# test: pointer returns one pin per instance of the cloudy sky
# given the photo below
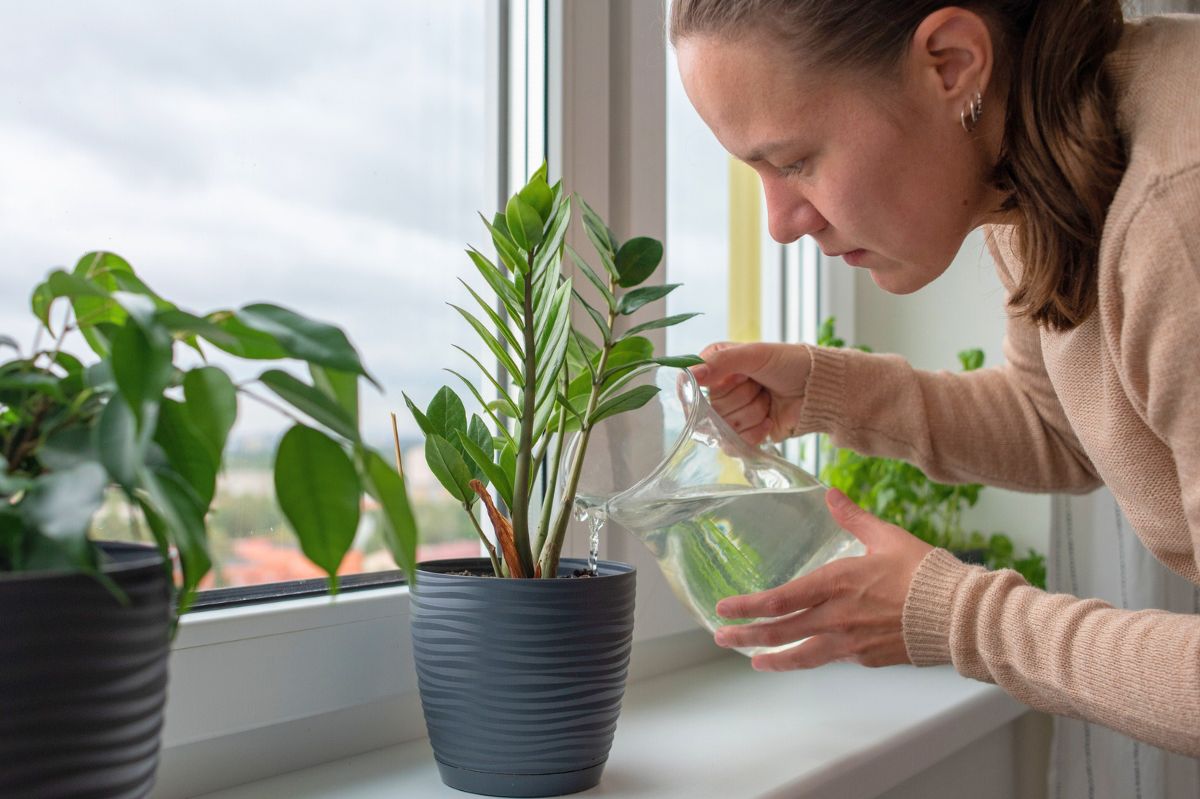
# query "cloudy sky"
(325, 156)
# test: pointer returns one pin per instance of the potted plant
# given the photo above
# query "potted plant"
(902, 494)
(521, 656)
(85, 626)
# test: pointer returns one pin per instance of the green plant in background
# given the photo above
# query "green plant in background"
(561, 379)
(135, 417)
(901, 494)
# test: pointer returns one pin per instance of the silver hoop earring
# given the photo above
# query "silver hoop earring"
(969, 116)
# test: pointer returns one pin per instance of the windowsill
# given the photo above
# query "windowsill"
(720, 728)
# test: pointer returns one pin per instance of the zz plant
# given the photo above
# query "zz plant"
(131, 414)
(559, 379)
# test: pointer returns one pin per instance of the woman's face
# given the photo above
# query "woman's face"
(858, 166)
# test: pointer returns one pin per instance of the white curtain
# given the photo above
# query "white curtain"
(1094, 552)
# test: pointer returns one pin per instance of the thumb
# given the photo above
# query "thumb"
(856, 521)
(727, 359)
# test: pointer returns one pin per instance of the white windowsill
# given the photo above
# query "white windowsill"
(722, 729)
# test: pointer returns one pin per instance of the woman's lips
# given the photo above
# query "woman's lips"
(854, 257)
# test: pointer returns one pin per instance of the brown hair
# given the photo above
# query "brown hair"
(1062, 157)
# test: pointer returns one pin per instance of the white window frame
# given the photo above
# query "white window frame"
(261, 689)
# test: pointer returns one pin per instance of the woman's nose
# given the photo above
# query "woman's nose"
(789, 214)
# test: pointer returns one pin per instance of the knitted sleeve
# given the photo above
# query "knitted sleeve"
(1001, 425)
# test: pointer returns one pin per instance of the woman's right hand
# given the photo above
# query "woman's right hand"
(757, 388)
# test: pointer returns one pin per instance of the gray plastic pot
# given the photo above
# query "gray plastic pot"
(83, 679)
(521, 680)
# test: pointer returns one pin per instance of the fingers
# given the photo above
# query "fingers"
(862, 525)
(726, 361)
(803, 592)
(873, 650)
(824, 618)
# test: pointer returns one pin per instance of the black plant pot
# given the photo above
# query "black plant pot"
(521, 680)
(83, 679)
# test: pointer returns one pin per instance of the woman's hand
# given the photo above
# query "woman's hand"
(758, 389)
(849, 609)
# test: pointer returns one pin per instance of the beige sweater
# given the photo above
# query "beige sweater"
(1114, 401)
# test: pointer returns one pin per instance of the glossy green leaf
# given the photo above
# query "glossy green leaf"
(304, 338)
(212, 405)
(633, 300)
(491, 471)
(497, 322)
(319, 492)
(61, 504)
(601, 322)
(524, 224)
(502, 396)
(446, 414)
(492, 344)
(141, 366)
(183, 324)
(118, 443)
(601, 235)
(537, 195)
(510, 254)
(399, 523)
(630, 400)
(509, 294)
(593, 278)
(677, 361)
(187, 452)
(238, 339)
(478, 432)
(637, 259)
(657, 323)
(554, 236)
(180, 519)
(311, 401)
(449, 467)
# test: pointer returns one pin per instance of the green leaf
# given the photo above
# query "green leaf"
(635, 299)
(142, 367)
(303, 338)
(183, 324)
(417, 414)
(601, 236)
(312, 401)
(497, 322)
(244, 342)
(601, 322)
(492, 344)
(677, 361)
(630, 400)
(120, 448)
(40, 301)
(508, 294)
(637, 259)
(188, 453)
(503, 399)
(212, 406)
(319, 493)
(449, 467)
(180, 521)
(446, 414)
(554, 237)
(399, 523)
(537, 195)
(60, 505)
(478, 432)
(524, 224)
(664, 322)
(581, 353)
(971, 359)
(491, 471)
(509, 253)
(483, 403)
(593, 278)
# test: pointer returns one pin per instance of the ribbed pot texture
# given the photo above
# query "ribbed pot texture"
(521, 680)
(83, 679)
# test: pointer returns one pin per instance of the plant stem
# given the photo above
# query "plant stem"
(548, 500)
(269, 404)
(520, 510)
(553, 547)
(491, 550)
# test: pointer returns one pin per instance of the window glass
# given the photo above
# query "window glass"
(329, 157)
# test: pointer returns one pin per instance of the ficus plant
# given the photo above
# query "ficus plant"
(901, 494)
(135, 413)
(560, 380)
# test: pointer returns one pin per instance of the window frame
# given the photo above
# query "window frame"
(320, 677)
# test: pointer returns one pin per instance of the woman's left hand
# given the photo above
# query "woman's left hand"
(849, 609)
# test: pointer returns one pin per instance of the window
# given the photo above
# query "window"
(326, 156)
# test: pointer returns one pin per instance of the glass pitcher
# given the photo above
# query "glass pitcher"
(722, 516)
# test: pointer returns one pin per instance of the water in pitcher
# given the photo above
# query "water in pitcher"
(715, 544)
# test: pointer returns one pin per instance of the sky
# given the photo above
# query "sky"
(329, 157)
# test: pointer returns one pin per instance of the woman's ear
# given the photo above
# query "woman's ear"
(952, 52)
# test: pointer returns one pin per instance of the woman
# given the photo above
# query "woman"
(888, 131)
